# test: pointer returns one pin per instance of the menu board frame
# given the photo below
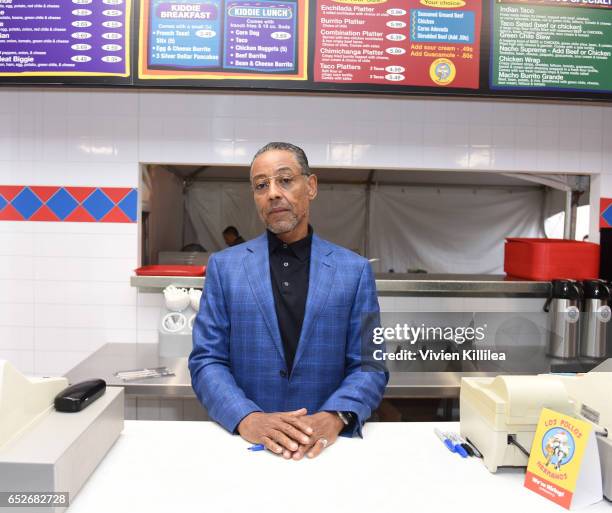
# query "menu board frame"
(223, 71)
(85, 78)
(306, 83)
(310, 86)
(546, 4)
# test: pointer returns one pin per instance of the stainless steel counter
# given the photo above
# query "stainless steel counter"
(389, 284)
(116, 357)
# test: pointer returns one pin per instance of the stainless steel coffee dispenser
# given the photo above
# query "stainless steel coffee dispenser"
(596, 316)
(563, 307)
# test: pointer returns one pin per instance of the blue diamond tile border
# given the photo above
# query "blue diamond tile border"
(26, 203)
(98, 204)
(62, 204)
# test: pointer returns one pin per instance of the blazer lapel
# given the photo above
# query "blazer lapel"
(257, 267)
(320, 282)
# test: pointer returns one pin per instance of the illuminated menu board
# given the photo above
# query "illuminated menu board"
(428, 43)
(65, 38)
(491, 48)
(223, 39)
(552, 44)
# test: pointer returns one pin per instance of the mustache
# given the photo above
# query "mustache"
(275, 206)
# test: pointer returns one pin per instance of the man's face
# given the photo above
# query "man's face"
(283, 204)
(229, 238)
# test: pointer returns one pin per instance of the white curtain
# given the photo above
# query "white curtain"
(441, 230)
(212, 206)
(449, 229)
(337, 214)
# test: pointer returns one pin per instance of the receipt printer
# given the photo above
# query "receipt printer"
(499, 415)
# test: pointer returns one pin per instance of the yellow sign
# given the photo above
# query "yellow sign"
(443, 4)
(563, 450)
(442, 71)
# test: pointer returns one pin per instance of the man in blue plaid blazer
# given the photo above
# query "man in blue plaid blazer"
(277, 357)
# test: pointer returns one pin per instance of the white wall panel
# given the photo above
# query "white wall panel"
(50, 272)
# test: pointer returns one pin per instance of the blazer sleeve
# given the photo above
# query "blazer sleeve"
(211, 378)
(363, 386)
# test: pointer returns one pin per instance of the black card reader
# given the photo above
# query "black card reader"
(80, 395)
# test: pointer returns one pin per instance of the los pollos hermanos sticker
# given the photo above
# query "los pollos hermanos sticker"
(564, 461)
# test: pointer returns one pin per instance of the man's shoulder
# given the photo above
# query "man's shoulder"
(230, 253)
(343, 256)
(237, 252)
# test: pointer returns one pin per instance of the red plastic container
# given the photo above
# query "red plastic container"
(551, 259)
(171, 270)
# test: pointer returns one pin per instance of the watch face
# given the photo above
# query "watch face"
(347, 417)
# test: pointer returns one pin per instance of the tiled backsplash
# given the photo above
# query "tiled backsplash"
(71, 204)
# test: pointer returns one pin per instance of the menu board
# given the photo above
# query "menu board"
(65, 38)
(552, 44)
(429, 43)
(500, 48)
(223, 39)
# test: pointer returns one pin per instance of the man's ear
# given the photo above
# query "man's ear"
(312, 187)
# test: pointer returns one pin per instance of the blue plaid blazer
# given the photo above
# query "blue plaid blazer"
(238, 364)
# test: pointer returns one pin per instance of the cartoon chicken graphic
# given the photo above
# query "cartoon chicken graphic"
(557, 449)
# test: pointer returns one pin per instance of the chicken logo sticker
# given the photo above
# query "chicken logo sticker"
(558, 447)
(442, 71)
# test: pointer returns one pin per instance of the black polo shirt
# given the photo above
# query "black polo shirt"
(289, 273)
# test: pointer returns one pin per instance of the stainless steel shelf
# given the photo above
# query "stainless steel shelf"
(158, 283)
(111, 358)
(391, 284)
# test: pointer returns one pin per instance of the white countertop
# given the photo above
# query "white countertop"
(158, 466)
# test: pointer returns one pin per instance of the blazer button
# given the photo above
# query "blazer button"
(283, 374)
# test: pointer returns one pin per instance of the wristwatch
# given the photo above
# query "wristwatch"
(347, 417)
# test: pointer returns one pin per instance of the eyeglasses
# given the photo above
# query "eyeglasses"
(285, 182)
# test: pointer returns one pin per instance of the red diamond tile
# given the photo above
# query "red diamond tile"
(116, 215)
(9, 213)
(44, 213)
(44, 192)
(80, 193)
(116, 194)
(80, 215)
(604, 205)
(10, 191)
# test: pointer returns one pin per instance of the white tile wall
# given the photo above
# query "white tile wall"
(64, 287)
(16, 338)
(64, 290)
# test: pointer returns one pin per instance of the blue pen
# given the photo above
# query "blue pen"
(449, 445)
(256, 447)
(457, 442)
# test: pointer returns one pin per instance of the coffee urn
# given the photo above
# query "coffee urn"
(596, 316)
(563, 307)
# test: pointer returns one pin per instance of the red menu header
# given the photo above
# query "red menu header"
(430, 43)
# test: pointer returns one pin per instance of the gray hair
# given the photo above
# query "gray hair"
(298, 153)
